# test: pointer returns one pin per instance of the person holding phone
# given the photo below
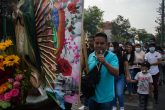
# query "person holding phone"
(105, 92)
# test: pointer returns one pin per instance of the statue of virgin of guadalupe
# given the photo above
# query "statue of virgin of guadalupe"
(27, 52)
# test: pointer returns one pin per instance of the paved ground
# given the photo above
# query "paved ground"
(161, 105)
(132, 103)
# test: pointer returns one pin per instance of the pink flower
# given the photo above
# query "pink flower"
(16, 84)
(14, 92)
(70, 47)
(71, 38)
(10, 80)
(1, 97)
(75, 47)
(66, 42)
(19, 77)
(76, 55)
(7, 96)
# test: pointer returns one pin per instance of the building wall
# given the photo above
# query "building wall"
(107, 29)
(109, 34)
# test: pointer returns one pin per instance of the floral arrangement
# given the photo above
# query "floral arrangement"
(11, 77)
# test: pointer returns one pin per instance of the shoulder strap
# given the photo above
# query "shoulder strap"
(96, 68)
(106, 53)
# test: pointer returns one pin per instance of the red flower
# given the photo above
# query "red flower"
(14, 92)
(64, 67)
(1, 97)
(7, 96)
(72, 7)
(70, 28)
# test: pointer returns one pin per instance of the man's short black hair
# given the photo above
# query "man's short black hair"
(152, 45)
(128, 43)
(115, 44)
(101, 34)
(138, 45)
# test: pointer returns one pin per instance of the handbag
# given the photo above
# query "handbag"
(90, 80)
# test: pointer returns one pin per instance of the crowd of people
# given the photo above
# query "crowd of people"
(126, 67)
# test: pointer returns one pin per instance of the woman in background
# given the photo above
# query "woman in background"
(120, 80)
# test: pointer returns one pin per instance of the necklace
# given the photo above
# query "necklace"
(98, 66)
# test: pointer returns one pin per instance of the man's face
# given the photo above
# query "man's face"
(100, 44)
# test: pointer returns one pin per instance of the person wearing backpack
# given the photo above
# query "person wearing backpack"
(108, 66)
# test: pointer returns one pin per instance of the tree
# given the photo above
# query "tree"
(93, 19)
(144, 36)
(160, 21)
(120, 27)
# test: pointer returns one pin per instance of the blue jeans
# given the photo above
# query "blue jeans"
(119, 91)
(93, 105)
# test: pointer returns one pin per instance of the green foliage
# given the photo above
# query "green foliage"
(93, 18)
(159, 38)
(144, 36)
(26, 84)
(4, 105)
(120, 27)
(117, 38)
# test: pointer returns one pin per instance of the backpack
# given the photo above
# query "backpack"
(90, 80)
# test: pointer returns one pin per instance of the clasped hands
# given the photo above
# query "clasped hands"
(100, 57)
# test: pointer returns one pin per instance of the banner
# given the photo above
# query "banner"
(58, 27)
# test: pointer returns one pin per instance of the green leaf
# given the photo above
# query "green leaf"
(5, 104)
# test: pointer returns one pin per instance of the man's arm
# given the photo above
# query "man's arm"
(112, 70)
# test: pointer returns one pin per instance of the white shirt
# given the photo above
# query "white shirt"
(153, 58)
(143, 82)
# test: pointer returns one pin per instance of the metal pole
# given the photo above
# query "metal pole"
(162, 25)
